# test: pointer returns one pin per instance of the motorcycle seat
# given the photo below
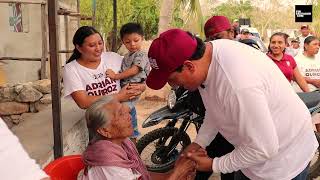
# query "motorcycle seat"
(310, 99)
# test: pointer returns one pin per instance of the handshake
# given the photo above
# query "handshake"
(191, 159)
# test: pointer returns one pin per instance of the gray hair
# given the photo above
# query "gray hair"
(97, 117)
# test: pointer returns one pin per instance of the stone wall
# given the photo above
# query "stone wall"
(21, 100)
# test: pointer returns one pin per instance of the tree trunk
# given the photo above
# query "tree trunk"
(166, 12)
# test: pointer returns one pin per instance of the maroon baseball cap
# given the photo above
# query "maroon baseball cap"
(167, 53)
(216, 24)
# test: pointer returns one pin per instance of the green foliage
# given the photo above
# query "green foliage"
(234, 9)
(194, 21)
(86, 10)
(145, 12)
(316, 16)
(177, 21)
(267, 15)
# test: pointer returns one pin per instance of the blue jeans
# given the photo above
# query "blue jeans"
(302, 176)
(134, 122)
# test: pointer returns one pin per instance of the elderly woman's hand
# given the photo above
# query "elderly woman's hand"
(186, 170)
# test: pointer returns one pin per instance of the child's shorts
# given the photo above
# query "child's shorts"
(134, 122)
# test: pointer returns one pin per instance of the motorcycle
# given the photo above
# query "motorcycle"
(160, 148)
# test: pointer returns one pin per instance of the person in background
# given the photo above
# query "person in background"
(289, 49)
(305, 32)
(218, 27)
(245, 34)
(307, 63)
(295, 44)
(84, 75)
(236, 27)
(285, 62)
(135, 65)
(293, 48)
(111, 155)
(247, 100)
(15, 162)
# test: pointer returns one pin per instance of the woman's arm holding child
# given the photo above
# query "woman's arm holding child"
(133, 70)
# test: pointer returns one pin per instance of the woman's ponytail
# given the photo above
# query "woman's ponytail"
(75, 55)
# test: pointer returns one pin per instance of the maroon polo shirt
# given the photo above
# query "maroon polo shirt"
(286, 65)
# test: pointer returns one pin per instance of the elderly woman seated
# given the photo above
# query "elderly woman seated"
(110, 153)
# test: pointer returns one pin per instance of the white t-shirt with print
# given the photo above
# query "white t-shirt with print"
(14, 161)
(94, 81)
(251, 103)
(308, 67)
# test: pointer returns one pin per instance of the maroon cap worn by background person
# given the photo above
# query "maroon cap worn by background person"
(167, 53)
(216, 24)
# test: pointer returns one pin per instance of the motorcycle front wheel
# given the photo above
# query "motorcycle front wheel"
(314, 170)
(155, 151)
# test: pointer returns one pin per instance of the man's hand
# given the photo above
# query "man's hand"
(191, 148)
(111, 74)
(204, 163)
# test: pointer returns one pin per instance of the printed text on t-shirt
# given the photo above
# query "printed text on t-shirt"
(312, 73)
(107, 86)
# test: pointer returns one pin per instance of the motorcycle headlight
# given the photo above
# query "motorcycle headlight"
(172, 98)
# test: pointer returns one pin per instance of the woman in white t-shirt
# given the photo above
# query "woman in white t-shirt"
(308, 64)
(84, 76)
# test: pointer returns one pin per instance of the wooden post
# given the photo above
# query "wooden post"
(20, 59)
(44, 54)
(66, 32)
(94, 8)
(78, 11)
(55, 78)
(114, 33)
